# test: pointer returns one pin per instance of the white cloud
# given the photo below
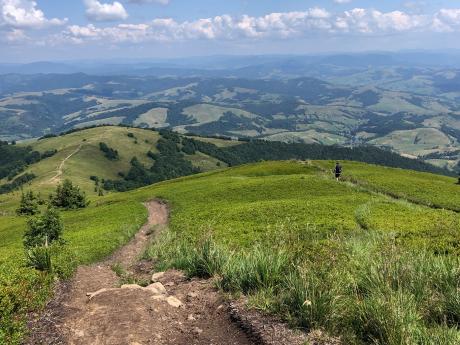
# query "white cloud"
(366, 21)
(15, 36)
(313, 22)
(447, 20)
(342, 1)
(25, 14)
(97, 11)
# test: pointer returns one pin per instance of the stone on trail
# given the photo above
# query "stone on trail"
(157, 288)
(157, 276)
(91, 295)
(174, 302)
(131, 286)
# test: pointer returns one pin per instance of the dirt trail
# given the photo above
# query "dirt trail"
(93, 309)
(57, 178)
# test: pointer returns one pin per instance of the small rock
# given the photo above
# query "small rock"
(197, 330)
(220, 307)
(170, 284)
(157, 288)
(191, 318)
(192, 295)
(91, 295)
(174, 302)
(157, 276)
(131, 286)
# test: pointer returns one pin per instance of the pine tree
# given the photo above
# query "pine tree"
(68, 196)
(28, 205)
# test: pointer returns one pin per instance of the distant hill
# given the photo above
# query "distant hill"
(412, 110)
(112, 158)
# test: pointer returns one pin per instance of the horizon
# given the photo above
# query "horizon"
(156, 59)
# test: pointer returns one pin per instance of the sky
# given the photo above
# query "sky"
(54, 30)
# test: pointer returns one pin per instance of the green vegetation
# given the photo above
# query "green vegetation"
(14, 159)
(90, 234)
(28, 205)
(416, 187)
(373, 258)
(169, 163)
(307, 256)
(68, 196)
(257, 150)
(47, 227)
(109, 153)
(16, 183)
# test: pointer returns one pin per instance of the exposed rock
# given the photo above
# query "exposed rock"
(174, 302)
(157, 276)
(157, 288)
(91, 295)
(131, 286)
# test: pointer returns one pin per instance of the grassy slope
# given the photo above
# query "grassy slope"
(89, 160)
(242, 202)
(423, 188)
(247, 204)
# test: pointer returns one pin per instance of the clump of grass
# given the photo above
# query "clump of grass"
(39, 258)
(373, 292)
(256, 270)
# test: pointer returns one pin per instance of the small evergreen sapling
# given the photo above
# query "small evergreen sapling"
(68, 196)
(28, 205)
(43, 229)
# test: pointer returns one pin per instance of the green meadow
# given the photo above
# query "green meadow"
(372, 259)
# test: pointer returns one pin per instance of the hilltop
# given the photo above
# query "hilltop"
(301, 230)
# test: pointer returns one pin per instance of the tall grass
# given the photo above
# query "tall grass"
(363, 287)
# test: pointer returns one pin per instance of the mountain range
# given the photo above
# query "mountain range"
(407, 102)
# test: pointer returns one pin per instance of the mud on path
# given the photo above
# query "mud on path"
(93, 309)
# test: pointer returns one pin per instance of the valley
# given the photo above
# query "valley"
(411, 110)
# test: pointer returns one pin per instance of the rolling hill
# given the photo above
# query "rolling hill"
(412, 111)
(360, 259)
(134, 157)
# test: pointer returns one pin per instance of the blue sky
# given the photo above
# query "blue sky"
(98, 29)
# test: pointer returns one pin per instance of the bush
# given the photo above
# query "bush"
(28, 205)
(68, 196)
(45, 228)
(109, 153)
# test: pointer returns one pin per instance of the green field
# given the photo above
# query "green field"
(346, 257)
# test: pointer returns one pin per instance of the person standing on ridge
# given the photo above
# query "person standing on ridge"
(338, 171)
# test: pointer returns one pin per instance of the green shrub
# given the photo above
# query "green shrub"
(68, 196)
(28, 205)
(109, 153)
(46, 227)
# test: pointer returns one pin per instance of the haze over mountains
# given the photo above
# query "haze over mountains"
(409, 101)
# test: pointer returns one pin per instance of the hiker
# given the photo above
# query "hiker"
(338, 170)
